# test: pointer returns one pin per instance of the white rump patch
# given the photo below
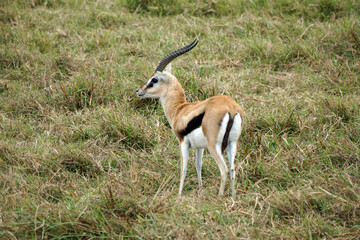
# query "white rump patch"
(235, 129)
(222, 129)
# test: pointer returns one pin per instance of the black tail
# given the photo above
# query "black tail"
(227, 132)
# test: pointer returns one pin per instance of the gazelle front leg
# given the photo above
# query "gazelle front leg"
(184, 148)
(199, 155)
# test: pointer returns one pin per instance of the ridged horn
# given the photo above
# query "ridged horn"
(168, 58)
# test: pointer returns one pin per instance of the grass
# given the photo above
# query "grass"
(82, 157)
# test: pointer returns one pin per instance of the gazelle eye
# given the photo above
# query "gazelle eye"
(154, 80)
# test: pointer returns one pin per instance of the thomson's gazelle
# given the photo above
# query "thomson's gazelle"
(214, 123)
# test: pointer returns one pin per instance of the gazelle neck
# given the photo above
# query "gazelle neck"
(172, 100)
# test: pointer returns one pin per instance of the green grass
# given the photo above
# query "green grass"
(82, 157)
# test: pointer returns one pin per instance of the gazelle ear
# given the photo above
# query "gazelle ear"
(168, 68)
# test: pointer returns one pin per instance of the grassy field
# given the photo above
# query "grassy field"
(82, 157)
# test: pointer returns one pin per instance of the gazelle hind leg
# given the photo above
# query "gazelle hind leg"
(199, 155)
(216, 153)
(231, 148)
(215, 138)
(231, 151)
(184, 147)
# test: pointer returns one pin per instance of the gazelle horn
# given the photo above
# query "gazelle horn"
(168, 58)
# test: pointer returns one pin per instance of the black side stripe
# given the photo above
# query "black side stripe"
(227, 132)
(192, 125)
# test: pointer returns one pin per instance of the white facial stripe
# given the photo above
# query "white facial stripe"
(149, 81)
(157, 76)
(147, 84)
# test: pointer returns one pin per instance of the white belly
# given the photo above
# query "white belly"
(196, 139)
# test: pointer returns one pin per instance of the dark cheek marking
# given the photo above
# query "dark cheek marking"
(147, 81)
(149, 86)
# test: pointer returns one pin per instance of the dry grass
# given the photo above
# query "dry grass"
(82, 157)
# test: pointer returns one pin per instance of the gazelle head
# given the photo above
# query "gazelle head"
(160, 79)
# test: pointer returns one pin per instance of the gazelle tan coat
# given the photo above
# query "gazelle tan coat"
(214, 123)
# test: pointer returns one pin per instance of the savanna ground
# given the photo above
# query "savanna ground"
(82, 157)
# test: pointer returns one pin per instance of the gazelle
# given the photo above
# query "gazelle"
(214, 123)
